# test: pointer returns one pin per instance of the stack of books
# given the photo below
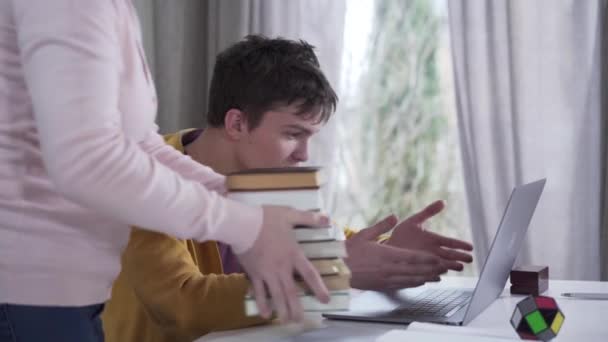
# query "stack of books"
(299, 188)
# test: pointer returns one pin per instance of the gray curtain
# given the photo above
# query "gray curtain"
(175, 35)
(527, 86)
(604, 94)
(182, 38)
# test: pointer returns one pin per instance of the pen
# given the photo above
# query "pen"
(586, 295)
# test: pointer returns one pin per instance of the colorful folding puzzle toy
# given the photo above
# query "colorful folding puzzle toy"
(537, 318)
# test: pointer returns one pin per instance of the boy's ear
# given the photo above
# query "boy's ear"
(235, 123)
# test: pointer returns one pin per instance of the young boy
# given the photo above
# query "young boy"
(267, 98)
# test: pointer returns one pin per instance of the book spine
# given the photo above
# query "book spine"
(337, 302)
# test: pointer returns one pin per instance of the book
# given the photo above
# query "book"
(328, 266)
(324, 249)
(275, 178)
(339, 281)
(400, 335)
(420, 331)
(311, 234)
(272, 332)
(338, 300)
(301, 199)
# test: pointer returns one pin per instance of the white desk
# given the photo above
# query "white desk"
(586, 320)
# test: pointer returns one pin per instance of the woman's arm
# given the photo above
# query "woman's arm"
(156, 146)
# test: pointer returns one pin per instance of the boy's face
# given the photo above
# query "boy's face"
(280, 140)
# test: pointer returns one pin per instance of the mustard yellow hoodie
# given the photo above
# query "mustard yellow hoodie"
(173, 290)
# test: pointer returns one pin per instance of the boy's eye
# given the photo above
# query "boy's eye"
(293, 135)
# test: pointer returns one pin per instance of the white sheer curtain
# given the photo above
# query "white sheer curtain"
(183, 37)
(527, 83)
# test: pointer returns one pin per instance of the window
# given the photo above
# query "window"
(397, 128)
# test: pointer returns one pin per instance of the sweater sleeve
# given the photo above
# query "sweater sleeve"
(183, 164)
(70, 54)
(176, 295)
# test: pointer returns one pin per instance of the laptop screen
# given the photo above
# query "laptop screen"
(507, 243)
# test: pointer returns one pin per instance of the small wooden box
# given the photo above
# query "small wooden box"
(530, 279)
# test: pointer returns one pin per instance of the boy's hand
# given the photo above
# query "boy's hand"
(411, 234)
(376, 266)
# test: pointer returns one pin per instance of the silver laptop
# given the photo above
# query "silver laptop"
(456, 306)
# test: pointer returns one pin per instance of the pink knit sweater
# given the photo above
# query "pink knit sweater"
(81, 159)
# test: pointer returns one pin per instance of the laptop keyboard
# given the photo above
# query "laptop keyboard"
(435, 303)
